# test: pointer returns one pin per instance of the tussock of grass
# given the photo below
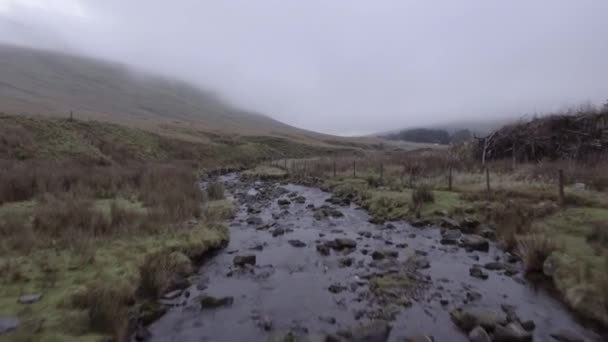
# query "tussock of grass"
(534, 249)
(215, 191)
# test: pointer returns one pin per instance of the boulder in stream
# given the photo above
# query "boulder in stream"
(477, 272)
(450, 237)
(343, 243)
(375, 331)
(323, 249)
(469, 316)
(479, 334)
(297, 243)
(209, 302)
(242, 260)
(566, 336)
(475, 242)
(512, 332)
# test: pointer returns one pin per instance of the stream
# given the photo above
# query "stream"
(307, 285)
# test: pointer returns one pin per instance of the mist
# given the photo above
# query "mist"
(345, 66)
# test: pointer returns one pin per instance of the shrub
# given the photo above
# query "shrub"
(599, 235)
(534, 249)
(422, 194)
(215, 191)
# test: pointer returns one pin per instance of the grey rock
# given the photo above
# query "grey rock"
(278, 231)
(566, 336)
(30, 298)
(375, 331)
(549, 266)
(336, 288)
(283, 202)
(172, 294)
(297, 243)
(488, 234)
(342, 243)
(8, 323)
(366, 234)
(242, 260)
(477, 272)
(494, 266)
(381, 254)
(479, 334)
(449, 223)
(450, 237)
(512, 332)
(346, 262)
(469, 316)
(419, 338)
(209, 302)
(323, 249)
(475, 242)
(255, 221)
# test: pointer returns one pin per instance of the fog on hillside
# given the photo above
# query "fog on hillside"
(345, 67)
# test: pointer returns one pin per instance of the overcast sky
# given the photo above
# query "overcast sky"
(345, 66)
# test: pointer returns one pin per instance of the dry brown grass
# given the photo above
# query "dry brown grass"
(534, 249)
(161, 271)
(215, 191)
(107, 305)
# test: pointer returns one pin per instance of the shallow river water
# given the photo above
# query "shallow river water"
(288, 288)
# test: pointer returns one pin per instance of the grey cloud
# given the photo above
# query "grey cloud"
(350, 66)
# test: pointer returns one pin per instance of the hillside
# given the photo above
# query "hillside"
(37, 82)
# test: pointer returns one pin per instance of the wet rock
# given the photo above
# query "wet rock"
(377, 236)
(209, 302)
(444, 302)
(419, 338)
(327, 319)
(343, 243)
(323, 249)
(494, 266)
(420, 262)
(450, 237)
(364, 251)
(297, 243)
(479, 334)
(336, 231)
(242, 260)
(151, 312)
(528, 325)
(265, 323)
(549, 266)
(473, 296)
(449, 223)
(475, 242)
(468, 317)
(381, 254)
(420, 223)
(142, 334)
(336, 288)
(566, 336)
(488, 233)
(8, 323)
(346, 262)
(254, 221)
(512, 332)
(412, 235)
(401, 245)
(278, 231)
(421, 252)
(375, 331)
(477, 272)
(300, 199)
(388, 242)
(172, 294)
(389, 226)
(366, 234)
(468, 225)
(257, 247)
(283, 202)
(310, 206)
(30, 298)
(509, 310)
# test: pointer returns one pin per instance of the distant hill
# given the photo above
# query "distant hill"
(430, 136)
(40, 82)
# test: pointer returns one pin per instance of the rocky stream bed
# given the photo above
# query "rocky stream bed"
(299, 268)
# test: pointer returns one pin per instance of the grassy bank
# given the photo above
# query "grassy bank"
(522, 208)
(100, 244)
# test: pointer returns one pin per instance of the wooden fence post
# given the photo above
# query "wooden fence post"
(450, 178)
(488, 179)
(561, 187)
